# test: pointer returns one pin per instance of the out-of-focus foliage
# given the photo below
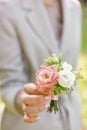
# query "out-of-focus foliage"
(84, 29)
(83, 65)
(83, 1)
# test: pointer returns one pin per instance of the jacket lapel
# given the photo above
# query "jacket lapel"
(39, 22)
(66, 24)
(66, 43)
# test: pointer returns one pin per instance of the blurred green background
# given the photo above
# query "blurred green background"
(83, 65)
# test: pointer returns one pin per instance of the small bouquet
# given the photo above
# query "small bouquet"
(56, 77)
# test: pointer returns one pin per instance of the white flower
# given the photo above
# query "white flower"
(66, 78)
(66, 66)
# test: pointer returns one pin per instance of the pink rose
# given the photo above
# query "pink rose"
(46, 78)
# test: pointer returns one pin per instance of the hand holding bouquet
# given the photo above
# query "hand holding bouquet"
(56, 77)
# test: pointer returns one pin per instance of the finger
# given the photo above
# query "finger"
(31, 119)
(35, 109)
(32, 99)
(31, 89)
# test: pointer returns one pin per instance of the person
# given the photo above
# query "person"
(30, 31)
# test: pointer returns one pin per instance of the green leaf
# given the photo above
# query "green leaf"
(54, 60)
(59, 90)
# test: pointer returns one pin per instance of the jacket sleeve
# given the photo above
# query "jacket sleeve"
(12, 75)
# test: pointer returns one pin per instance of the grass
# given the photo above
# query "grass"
(83, 65)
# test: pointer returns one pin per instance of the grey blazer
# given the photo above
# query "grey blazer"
(26, 39)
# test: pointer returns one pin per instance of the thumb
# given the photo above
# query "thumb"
(31, 89)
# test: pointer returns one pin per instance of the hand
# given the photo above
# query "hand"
(33, 103)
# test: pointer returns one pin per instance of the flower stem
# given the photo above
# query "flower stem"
(53, 106)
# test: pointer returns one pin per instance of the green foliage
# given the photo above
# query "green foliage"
(78, 75)
(83, 87)
(84, 29)
(59, 89)
(83, 65)
(54, 60)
